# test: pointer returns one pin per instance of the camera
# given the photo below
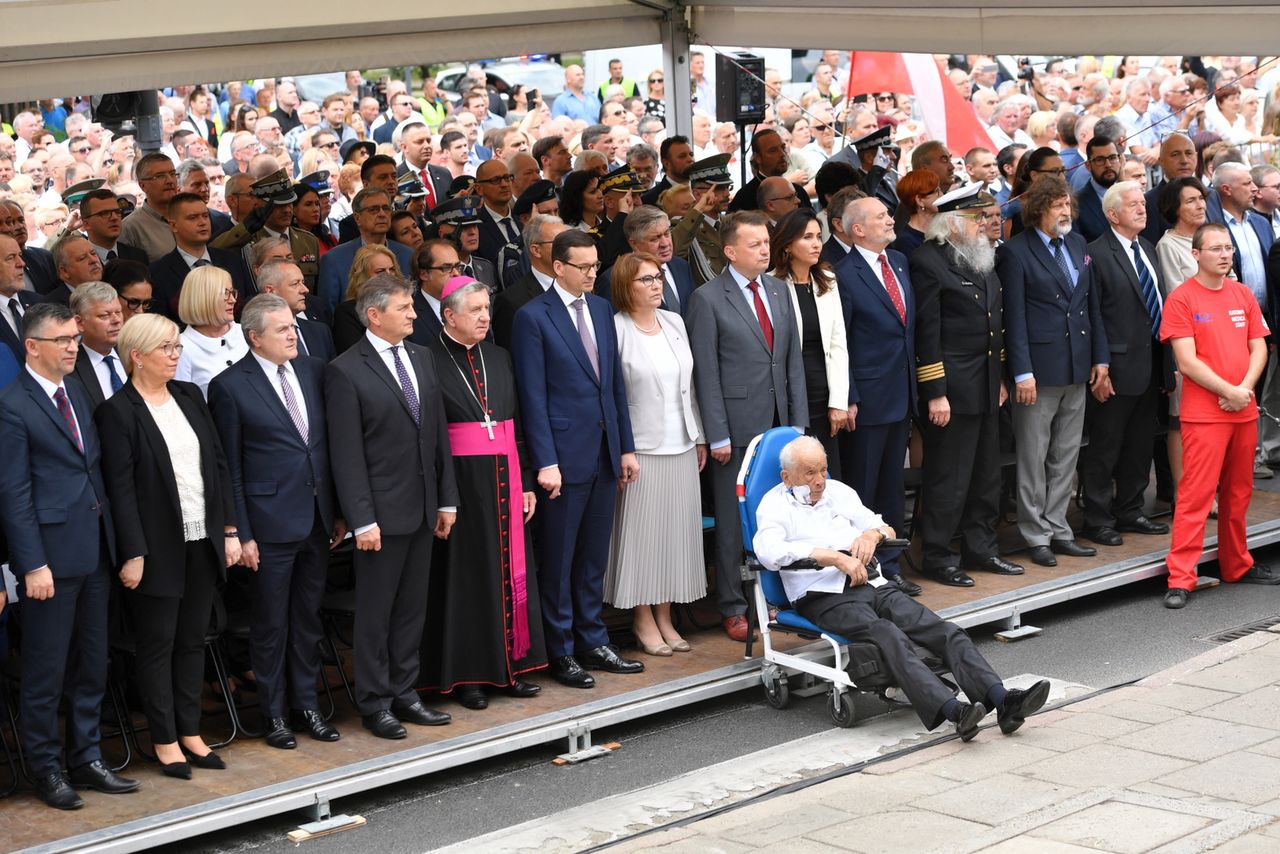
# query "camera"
(1025, 71)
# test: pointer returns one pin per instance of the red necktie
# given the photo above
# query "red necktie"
(64, 409)
(891, 285)
(766, 325)
(430, 198)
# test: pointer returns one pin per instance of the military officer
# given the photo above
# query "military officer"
(960, 377)
(272, 216)
(697, 235)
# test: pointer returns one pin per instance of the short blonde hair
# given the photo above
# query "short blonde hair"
(200, 303)
(360, 266)
(143, 333)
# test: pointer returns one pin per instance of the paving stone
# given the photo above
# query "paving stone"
(1257, 708)
(1272, 830)
(1243, 777)
(911, 760)
(885, 832)
(1188, 698)
(859, 794)
(778, 826)
(985, 756)
(1096, 723)
(1252, 843)
(1193, 737)
(1053, 738)
(1238, 676)
(996, 799)
(1267, 748)
(696, 844)
(1121, 827)
(801, 845)
(1023, 845)
(1137, 710)
(1100, 765)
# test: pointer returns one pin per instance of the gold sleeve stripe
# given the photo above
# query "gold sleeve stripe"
(926, 373)
(1002, 354)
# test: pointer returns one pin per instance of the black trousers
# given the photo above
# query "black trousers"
(730, 597)
(391, 609)
(285, 628)
(872, 457)
(1121, 440)
(960, 489)
(893, 620)
(168, 635)
(64, 644)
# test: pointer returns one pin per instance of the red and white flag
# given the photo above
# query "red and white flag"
(947, 116)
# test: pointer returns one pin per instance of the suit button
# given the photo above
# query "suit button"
(988, 352)
(600, 424)
(770, 391)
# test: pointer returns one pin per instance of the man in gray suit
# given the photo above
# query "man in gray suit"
(749, 378)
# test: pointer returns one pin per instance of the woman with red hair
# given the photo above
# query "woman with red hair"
(918, 190)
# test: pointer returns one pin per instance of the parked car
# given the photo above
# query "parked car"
(317, 87)
(545, 76)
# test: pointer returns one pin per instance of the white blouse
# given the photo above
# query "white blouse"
(184, 455)
(675, 438)
(203, 358)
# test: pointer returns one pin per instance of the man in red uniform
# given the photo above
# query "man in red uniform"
(1219, 341)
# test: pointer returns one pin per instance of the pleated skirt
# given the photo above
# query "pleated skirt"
(655, 555)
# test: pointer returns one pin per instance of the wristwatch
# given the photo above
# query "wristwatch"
(231, 534)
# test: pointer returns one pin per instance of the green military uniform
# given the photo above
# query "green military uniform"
(276, 189)
(693, 237)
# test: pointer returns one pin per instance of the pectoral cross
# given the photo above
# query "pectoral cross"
(488, 424)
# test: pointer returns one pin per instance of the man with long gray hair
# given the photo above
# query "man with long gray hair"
(958, 300)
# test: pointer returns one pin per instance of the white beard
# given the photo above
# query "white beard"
(977, 254)
(1062, 230)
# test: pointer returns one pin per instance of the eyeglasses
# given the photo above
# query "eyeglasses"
(1060, 171)
(62, 341)
(657, 79)
(650, 281)
(170, 349)
(584, 269)
(109, 213)
(1103, 161)
(884, 97)
(981, 216)
(822, 127)
(84, 150)
(228, 294)
(162, 176)
(137, 305)
(447, 268)
(497, 179)
(375, 209)
(329, 145)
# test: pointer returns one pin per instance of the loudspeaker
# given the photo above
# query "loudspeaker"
(135, 114)
(740, 96)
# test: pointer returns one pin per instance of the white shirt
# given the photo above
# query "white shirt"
(675, 292)
(1127, 243)
(273, 378)
(742, 281)
(14, 323)
(434, 303)
(789, 530)
(103, 250)
(1000, 139)
(102, 372)
(1253, 273)
(203, 358)
(568, 298)
(543, 279)
(50, 389)
(190, 260)
(500, 218)
(873, 261)
(382, 347)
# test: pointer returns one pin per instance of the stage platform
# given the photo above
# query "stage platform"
(261, 781)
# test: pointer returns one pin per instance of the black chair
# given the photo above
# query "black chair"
(338, 606)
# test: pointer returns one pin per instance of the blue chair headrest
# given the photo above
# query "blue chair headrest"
(761, 471)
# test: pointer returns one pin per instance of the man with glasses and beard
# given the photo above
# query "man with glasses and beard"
(961, 386)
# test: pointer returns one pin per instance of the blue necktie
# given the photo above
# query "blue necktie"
(116, 382)
(1149, 294)
(1061, 258)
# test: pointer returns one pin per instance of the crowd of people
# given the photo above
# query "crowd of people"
(497, 349)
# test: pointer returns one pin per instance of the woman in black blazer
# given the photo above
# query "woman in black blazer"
(171, 498)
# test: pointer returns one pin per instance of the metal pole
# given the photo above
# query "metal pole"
(675, 68)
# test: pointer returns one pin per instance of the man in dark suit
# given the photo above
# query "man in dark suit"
(458, 220)
(77, 263)
(959, 347)
(395, 491)
(1121, 415)
(189, 220)
(439, 265)
(578, 432)
(285, 280)
(1103, 162)
(100, 213)
(99, 315)
(371, 209)
(53, 506)
(749, 376)
(1056, 342)
(677, 156)
(39, 273)
(378, 172)
(14, 300)
(1177, 160)
(269, 410)
(768, 160)
(540, 233)
(839, 244)
(879, 310)
(415, 145)
(648, 229)
(497, 225)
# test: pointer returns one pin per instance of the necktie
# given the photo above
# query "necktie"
(15, 309)
(762, 315)
(670, 295)
(111, 255)
(116, 383)
(302, 345)
(406, 386)
(466, 271)
(891, 285)
(430, 198)
(291, 403)
(585, 334)
(512, 235)
(1149, 294)
(64, 408)
(200, 262)
(1061, 258)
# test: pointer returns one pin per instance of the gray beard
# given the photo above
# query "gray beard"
(977, 255)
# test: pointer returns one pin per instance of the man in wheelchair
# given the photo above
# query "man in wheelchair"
(823, 525)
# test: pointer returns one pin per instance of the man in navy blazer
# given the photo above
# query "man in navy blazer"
(269, 411)
(578, 431)
(879, 312)
(189, 219)
(648, 229)
(54, 509)
(1104, 162)
(38, 263)
(14, 299)
(371, 210)
(285, 280)
(1055, 343)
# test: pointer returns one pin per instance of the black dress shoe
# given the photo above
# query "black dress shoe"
(210, 761)
(94, 775)
(383, 724)
(607, 658)
(999, 566)
(567, 671)
(416, 713)
(1042, 556)
(314, 724)
(908, 587)
(970, 717)
(1143, 525)
(1071, 548)
(1103, 535)
(471, 696)
(523, 690)
(1019, 705)
(55, 791)
(176, 770)
(952, 576)
(279, 735)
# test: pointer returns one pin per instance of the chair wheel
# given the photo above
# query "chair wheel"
(777, 692)
(842, 713)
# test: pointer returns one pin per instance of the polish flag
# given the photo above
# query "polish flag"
(947, 116)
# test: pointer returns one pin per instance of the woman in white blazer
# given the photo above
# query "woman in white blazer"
(795, 248)
(655, 557)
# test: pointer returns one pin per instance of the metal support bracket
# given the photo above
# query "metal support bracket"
(319, 811)
(1014, 630)
(581, 749)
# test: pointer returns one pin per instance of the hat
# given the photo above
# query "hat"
(275, 188)
(318, 181)
(906, 130)
(711, 170)
(454, 284)
(127, 203)
(539, 191)
(459, 211)
(878, 138)
(461, 184)
(965, 198)
(411, 188)
(80, 189)
(352, 144)
(622, 179)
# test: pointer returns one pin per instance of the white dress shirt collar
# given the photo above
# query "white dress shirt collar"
(543, 279)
